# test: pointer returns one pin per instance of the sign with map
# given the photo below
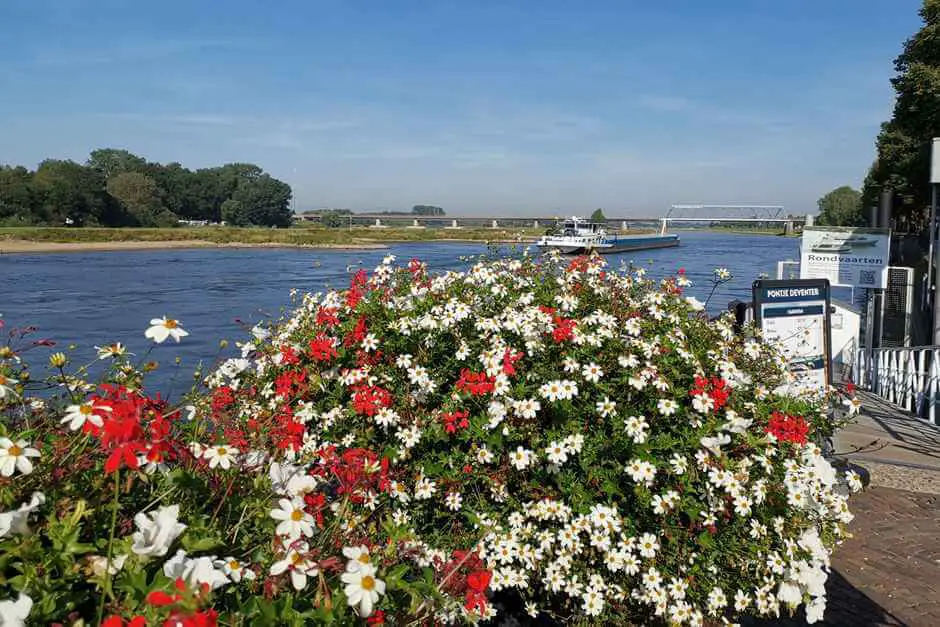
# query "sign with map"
(849, 256)
(795, 314)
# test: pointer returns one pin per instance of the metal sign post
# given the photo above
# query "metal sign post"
(934, 181)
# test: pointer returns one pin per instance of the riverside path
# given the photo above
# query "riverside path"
(888, 572)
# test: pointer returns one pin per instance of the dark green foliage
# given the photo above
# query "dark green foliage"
(903, 161)
(333, 220)
(117, 188)
(841, 207)
(598, 216)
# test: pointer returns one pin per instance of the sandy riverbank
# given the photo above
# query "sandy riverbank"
(10, 246)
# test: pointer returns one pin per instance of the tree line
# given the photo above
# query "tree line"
(117, 188)
(904, 142)
(337, 218)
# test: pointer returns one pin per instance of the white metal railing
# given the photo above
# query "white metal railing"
(908, 376)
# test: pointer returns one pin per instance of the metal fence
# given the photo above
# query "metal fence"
(906, 376)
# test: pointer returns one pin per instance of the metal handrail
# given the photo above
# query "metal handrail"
(908, 376)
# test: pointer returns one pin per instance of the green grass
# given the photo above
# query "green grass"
(233, 235)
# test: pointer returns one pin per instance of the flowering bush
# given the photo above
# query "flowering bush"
(533, 435)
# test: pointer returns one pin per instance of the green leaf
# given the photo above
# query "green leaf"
(705, 540)
(206, 543)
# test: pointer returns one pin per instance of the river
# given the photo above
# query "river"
(97, 298)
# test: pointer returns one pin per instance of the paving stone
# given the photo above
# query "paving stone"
(888, 573)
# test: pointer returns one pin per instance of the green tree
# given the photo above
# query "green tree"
(598, 216)
(234, 214)
(903, 145)
(113, 161)
(118, 188)
(177, 190)
(333, 220)
(140, 197)
(427, 210)
(265, 201)
(841, 207)
(66, 192)
(16, 196)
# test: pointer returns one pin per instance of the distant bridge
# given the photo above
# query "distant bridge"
(688, 213)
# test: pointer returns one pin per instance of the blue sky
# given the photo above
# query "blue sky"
(517, 107)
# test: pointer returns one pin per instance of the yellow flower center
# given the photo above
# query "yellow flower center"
(234, 565)
(297, 515)
(364, 558)
(368, 583)
(3, 380)
(14, 451)
(115, 348)
(222, 451)
(296, 559)
(171, 324)
(85, 410)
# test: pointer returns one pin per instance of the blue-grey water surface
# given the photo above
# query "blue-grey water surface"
(97, 298)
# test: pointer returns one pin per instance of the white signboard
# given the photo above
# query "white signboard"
(935, 162)
(849, 256)
(795, 315)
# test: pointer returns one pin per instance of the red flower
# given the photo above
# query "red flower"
(377, 618)
(126, 453)
(455, 420)
(326, 317)
(478, 581)
(321, 348)
(159, 598)
(117, 621)
(564, 329)
(222, 397)
(358, 333)
(359, 279)
(788, 428)
(206, 618)
(289, 356)
(369, 399)
(715, 387)
(476, 383)
(579, 264)
(509, 362)
(286, 383)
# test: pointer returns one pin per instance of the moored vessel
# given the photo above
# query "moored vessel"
(576, 236)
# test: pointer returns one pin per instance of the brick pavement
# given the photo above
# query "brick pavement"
(888, 573)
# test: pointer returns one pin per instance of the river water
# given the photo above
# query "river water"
(97, 298)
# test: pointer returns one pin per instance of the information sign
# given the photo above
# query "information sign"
(854, 257)
(795, 314)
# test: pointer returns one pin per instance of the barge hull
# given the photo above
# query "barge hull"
(622, 245)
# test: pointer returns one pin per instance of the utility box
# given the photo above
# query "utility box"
(845, 332)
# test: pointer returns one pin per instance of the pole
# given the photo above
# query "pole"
(934, 181)
(869, 337)
(884, 220)
(932, 225)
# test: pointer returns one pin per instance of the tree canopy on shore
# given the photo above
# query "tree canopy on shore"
(841, 207)
(117, 188)
(903, 145)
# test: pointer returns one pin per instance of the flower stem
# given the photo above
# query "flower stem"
(107, 568)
